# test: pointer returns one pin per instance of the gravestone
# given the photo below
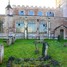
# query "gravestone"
(44, 49)
(1, 53)
(13, 39)
(36, 42)
(10, 40)
(36, 47)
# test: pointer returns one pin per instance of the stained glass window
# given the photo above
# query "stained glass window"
(31, 26)
(20, 26)
(42, 27)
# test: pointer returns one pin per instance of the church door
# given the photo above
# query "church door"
(62, 33)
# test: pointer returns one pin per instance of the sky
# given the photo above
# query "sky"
(42, 3)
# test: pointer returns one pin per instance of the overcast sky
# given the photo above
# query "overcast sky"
(46, 3)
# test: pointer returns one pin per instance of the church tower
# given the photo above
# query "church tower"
(8, 24)
(58, 2)
(9, 10)
(63, 5)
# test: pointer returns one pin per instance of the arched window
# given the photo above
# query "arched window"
(40, 13)
(21, 13)
(31, 12)
(50, 14)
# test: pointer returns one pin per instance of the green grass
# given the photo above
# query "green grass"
(25, 49)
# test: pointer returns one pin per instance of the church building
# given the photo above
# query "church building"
(35, 22)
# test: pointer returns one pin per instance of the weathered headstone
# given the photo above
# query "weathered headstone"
(1, 53)
(36, 42)
(44, 49)
(13, 39)
(36, 48)
(10, 40)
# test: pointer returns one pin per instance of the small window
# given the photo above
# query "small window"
(40, 13)
(21, 13)
(31, 12)
(50, 14)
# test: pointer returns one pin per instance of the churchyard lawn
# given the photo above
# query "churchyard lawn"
(26, 49)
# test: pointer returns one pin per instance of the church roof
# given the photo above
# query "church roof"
(60, 26)
(9, 6)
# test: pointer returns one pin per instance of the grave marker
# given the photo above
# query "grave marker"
(1, 53)
(44, 49)
(10, 40)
